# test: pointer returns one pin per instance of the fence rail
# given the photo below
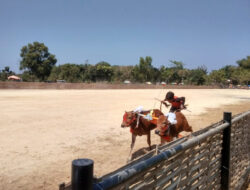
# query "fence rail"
(216, 157)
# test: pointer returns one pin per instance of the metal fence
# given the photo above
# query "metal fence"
(216, 157)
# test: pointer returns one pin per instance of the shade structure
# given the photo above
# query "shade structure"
(13, 77)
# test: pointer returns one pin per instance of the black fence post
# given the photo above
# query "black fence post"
(225, 162)
(82, 174)
(62, 186)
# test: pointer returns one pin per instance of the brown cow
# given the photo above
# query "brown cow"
(169, 132)
(139, 125)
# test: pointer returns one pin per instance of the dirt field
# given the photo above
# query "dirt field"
(42, 131)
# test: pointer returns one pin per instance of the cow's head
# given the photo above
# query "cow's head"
(162, 125)
(128, 119)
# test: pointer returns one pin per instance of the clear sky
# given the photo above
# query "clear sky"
(214, 33)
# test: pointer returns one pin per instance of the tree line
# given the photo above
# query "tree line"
(38, 64)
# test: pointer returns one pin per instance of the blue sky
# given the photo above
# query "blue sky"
(211, 33)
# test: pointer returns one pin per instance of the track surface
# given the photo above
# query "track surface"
(42, 131)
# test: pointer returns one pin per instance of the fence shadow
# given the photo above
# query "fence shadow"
(142, 151)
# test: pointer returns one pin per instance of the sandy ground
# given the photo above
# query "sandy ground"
(42, 131)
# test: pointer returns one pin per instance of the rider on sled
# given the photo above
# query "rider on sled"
(177, 104)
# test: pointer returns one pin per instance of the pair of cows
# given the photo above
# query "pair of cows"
(140, 125)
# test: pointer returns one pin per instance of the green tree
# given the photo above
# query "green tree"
(68, 72)
(6, 69)
(122, 73)
(137, 75)
(37, 60)
(73, 73)
(218, 76)
(156, 75)
(228, 69)
(5, 73)
(198, 76)
(104, 72)
(54, 74)
(244, 63)
(175, 73)
(178, 65)
(241, 76)
(88, 73)
(183, 73)
(144, 71)
(28, 77)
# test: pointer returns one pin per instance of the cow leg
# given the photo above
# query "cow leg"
(149, 140)
(131, 147)
(162, 141)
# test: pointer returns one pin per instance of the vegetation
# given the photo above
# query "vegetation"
(39, 65)
(5, 73)
(37, 61)
(144, 71)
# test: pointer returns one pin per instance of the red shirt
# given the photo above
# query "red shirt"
(176, 102)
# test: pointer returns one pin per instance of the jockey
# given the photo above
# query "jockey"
(177, 103)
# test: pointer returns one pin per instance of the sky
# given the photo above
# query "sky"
(196, 32)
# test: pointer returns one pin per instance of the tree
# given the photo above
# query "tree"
(242, 76)
(175, 73)
(28, 77)
(244, 63)
(228, 69)
(198, 76)
(183, 73)
(144, 71)
(166, 74)
(218, 76)
(88, 73)
(6, 69)
(177, 64)
(5, 73)
(156, 75)
(54, 74)
(104, 71)
(122, 73)
(37, 60)
(203, 68)
(68, 72)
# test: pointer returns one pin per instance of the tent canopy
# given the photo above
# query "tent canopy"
(13, 77)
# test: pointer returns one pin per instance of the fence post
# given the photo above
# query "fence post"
(225, 161)
(62, 186)
(82, 174)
